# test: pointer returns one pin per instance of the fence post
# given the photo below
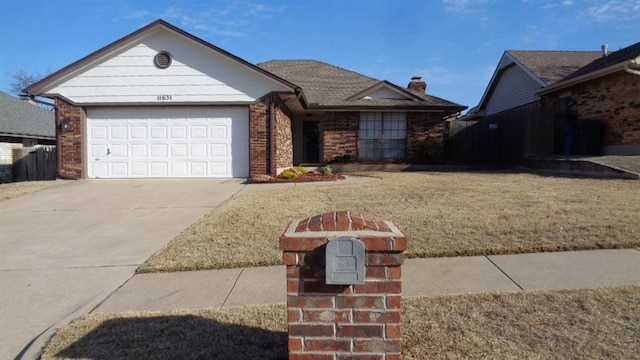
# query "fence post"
(337, 309)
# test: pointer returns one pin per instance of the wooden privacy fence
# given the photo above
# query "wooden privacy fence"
(31, 164)
(506, 137)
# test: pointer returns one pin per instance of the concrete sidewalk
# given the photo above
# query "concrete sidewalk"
(421, 277)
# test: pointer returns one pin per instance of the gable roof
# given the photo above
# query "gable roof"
(543, 67)
(43, 86)
(614, 58)
(19, 118)
(553, 66)
(624, 59)
(328, 86)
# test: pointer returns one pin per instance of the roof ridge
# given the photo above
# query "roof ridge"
(574, 51)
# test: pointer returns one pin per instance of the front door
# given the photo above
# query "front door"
(311, 142)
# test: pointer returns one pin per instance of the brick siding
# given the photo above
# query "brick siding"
(71, 145)
(259, 158)
(359, 321)
(340, 134)
(283, 136)
(615, 100)
(341, 129)
(419, 127)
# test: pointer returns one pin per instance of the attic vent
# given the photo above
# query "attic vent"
(162, 60)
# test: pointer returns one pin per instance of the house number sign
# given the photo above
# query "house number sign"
(344, 261)
(164, 97)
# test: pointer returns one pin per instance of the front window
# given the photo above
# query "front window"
(382, 136)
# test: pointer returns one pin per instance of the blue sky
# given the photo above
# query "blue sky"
(453, 44)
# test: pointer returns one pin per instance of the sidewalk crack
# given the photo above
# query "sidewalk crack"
(232, 287)
(505, 274)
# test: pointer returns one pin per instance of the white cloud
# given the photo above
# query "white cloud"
(613, 10)
(464, 6)
(132, 16)
(233, 19)
(438, 75)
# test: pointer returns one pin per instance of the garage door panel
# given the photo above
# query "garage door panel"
(119, 169)
(98, 150)
(178, 150)
(138, 132)
(179, 132)
(119, 151)
(139, 151)
(198, 132)
(179, 169)
(119, 133)
(159, 169)
(164, 141)
(198, 168)
(219, 150)
(159, 151)
(139, 169)
(198, 151)
(100, 169)
(158, 132)
(219, 132)
(218, 168)
(99, 133)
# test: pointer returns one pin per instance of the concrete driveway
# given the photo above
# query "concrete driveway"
(66, 248)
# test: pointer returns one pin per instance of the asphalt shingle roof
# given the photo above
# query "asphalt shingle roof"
(553, 66)
(616, 57)
(331, 86)
(19, 118)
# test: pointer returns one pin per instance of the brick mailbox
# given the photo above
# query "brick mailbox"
(344, 287)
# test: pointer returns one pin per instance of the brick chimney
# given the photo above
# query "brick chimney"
(418, 85)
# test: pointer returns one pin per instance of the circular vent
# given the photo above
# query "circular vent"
(162, 60)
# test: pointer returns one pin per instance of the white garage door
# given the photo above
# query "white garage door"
(168, 141)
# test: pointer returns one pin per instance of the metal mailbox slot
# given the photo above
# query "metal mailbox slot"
(344, 265)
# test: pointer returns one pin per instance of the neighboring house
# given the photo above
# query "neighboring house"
(605, 92)
(22, 124)
(161, 102)
(521, 74)
(511, 122)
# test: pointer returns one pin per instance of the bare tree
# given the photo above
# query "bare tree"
(22, 79)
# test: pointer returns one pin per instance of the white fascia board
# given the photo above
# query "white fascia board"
(586, 77)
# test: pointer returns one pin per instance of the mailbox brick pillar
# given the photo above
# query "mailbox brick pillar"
(343, 322)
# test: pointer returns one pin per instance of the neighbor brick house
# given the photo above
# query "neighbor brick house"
(521, 74)
(607, 91)
(161, 102)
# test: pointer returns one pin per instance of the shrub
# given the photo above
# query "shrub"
(432, 151)
(325, 170)
(341, 159)
(289, 174)
(300, 169)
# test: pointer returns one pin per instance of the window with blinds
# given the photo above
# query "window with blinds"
(382, 136)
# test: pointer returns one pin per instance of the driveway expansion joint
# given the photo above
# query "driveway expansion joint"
(232, 287)
(503, 272)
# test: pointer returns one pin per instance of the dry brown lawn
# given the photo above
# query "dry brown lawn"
(16, 189)
(443, 214)
(576, 324)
